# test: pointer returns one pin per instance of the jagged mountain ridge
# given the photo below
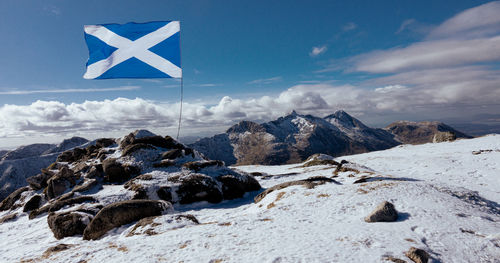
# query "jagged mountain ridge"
(293, 138)
(26, 161)
(410, 132)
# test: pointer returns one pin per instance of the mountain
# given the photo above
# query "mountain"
(292, 139)
(445, 196)
(26, 161)
(409, 132)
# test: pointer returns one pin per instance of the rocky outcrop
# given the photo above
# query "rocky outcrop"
(444, 137)
(68, 224)
(122, 213)
(417, 255)
(61, 182)
(421, 132)
(8, 202)
(310, 183)
(293, 138)
(384, 212)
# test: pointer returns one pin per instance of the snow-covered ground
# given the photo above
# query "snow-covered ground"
(447, 198)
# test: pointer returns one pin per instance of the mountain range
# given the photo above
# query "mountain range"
(295, 137)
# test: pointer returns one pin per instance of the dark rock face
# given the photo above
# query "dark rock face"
(104, 142)
(197, 166)
(61, 182)
(172, 154)
(121, 213)
(115, 172)
(417, 255)
(130, 149)
(233, 188)
(72, 155)
(385, 212)
(39, 181)
(420, 132)
(293, 138)
(199, 187)
(8, 202)
(68, 224)
(33, 203)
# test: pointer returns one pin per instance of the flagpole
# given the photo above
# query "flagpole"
(182, 83)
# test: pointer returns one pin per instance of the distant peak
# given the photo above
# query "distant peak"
(293, 113)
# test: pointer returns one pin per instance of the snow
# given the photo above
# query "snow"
(446, 196)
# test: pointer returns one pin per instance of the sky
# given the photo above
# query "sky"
(380, 61)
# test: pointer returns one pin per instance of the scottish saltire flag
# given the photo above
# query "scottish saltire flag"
(133, 50)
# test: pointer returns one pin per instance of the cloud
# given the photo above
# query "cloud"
(26, 92)
(316, 51)
(121, 114)
(266, 81)
(349, 27)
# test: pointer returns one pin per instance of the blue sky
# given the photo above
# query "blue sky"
(241, 53)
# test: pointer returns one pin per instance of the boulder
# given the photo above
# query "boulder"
(197, 166)
(58, 184)
(39, 181)
(8, 202)
(121, 213)
(68, 224)
(310, 183)
(446, 136)
(234, 187)
(384, 212)
(104, 142)
(172, 154)
(115, 172)
(72, 155)
(130, 149)
(198, 187)
(33, 203)
(8, 217)
(87, 185)
(95, 171)
(417, 255)
(164, 164)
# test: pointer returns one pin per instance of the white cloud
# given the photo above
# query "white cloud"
(349, 26)
(266, 80)
(316, 51)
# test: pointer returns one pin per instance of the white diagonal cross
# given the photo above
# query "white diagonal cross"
(128, 49)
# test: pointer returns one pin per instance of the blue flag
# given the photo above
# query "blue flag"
(133, 50)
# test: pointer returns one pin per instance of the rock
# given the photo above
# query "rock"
(68, 224)
(417, 255)
(56, 249)
(72, 155)
(385, 212)
(39, 181)
(87, 185)
(319, 162)
(164, 164)
(197, 166)
(59, 204)
(129, 149)
(61, 182)
(104, 142)
(8, 202)
(162, 142)
(164, 193)
(172, 154)
(446, 136)
(8, 218)
(121, 213)
(95, 171)
(189, 151)
(114, 171)
(310, 183)
(233, 187)
(199, 187)
(33, 203)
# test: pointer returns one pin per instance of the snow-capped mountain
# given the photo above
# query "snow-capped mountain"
(293, 138)
(420, 132)
(26, 161)
(442, 203)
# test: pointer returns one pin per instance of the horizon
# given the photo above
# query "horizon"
(255, 61)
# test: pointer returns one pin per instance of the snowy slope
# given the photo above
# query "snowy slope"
(26, 161)
(447, 198)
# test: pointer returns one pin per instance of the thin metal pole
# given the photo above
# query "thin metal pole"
(182, 84)
(180, 112)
